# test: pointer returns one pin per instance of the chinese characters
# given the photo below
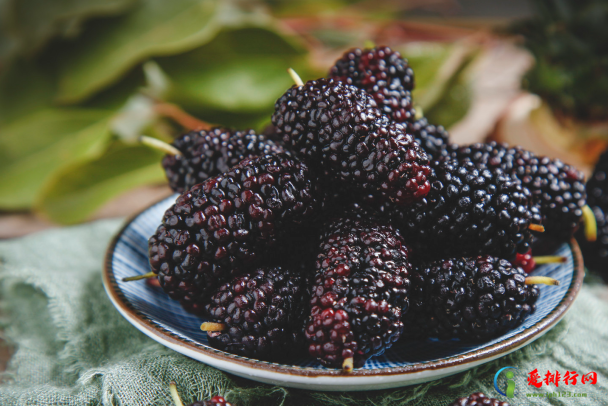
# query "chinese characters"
(554, 378)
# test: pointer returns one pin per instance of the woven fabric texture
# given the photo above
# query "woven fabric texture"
(71, 347)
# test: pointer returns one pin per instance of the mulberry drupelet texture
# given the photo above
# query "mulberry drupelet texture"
(206, 154)
(478, 399)
(358, 293)
(384, 75)
(469, 211)
(524, 261)
(558, 188)
(468, 298)
(263, 314)
(339, 128)
(224, 226)
(597, 185)
(433, 139)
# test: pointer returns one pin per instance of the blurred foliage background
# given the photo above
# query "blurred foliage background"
(569, 40)
(80, 80)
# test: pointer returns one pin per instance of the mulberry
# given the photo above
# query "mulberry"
(469, 211)
(224, 226)
(558, 188)
(339, 127)
(214, 401)
(206, 154)
(262, 314)
(433, 139)
(384, 75)
(468, 298)
(478, 399)
(358, 294)
(595, 252)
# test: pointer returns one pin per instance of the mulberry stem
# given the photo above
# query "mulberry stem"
(181, 117)
(209, 326)
(549, 259)
(174, 395)
(537, 227)
(159, 145)
(541, 280)
(296, 78)
(347, 365)
(139, 277)
(590, 223)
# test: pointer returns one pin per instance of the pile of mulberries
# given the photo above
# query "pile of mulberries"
(353, 222)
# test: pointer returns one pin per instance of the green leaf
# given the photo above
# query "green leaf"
(249, 85)
(426, 59)
(24, 88)
(442, 83)
(33, 23)
(243, 70)
(50, 141)
(438, 72)
(40, 130)
(110, 47)
(453, 104)
(8, 44)
(77, 191)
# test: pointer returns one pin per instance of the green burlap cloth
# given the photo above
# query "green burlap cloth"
(73, 348)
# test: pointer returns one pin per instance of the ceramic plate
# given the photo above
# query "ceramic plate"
(406, 363)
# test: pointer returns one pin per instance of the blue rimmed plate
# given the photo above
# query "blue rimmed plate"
(406, 363)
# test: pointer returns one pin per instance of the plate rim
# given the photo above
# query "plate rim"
(470, 359)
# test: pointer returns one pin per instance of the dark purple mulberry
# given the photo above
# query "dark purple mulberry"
(359, 292)
(264, 314)
(224, 226)
(468, 298)
(339, 127)
(558, 188)
(478, 399)
(597, 185)
(433, 139)
(210, 153)
(596, 252)
(469, 211)
(384, 75)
